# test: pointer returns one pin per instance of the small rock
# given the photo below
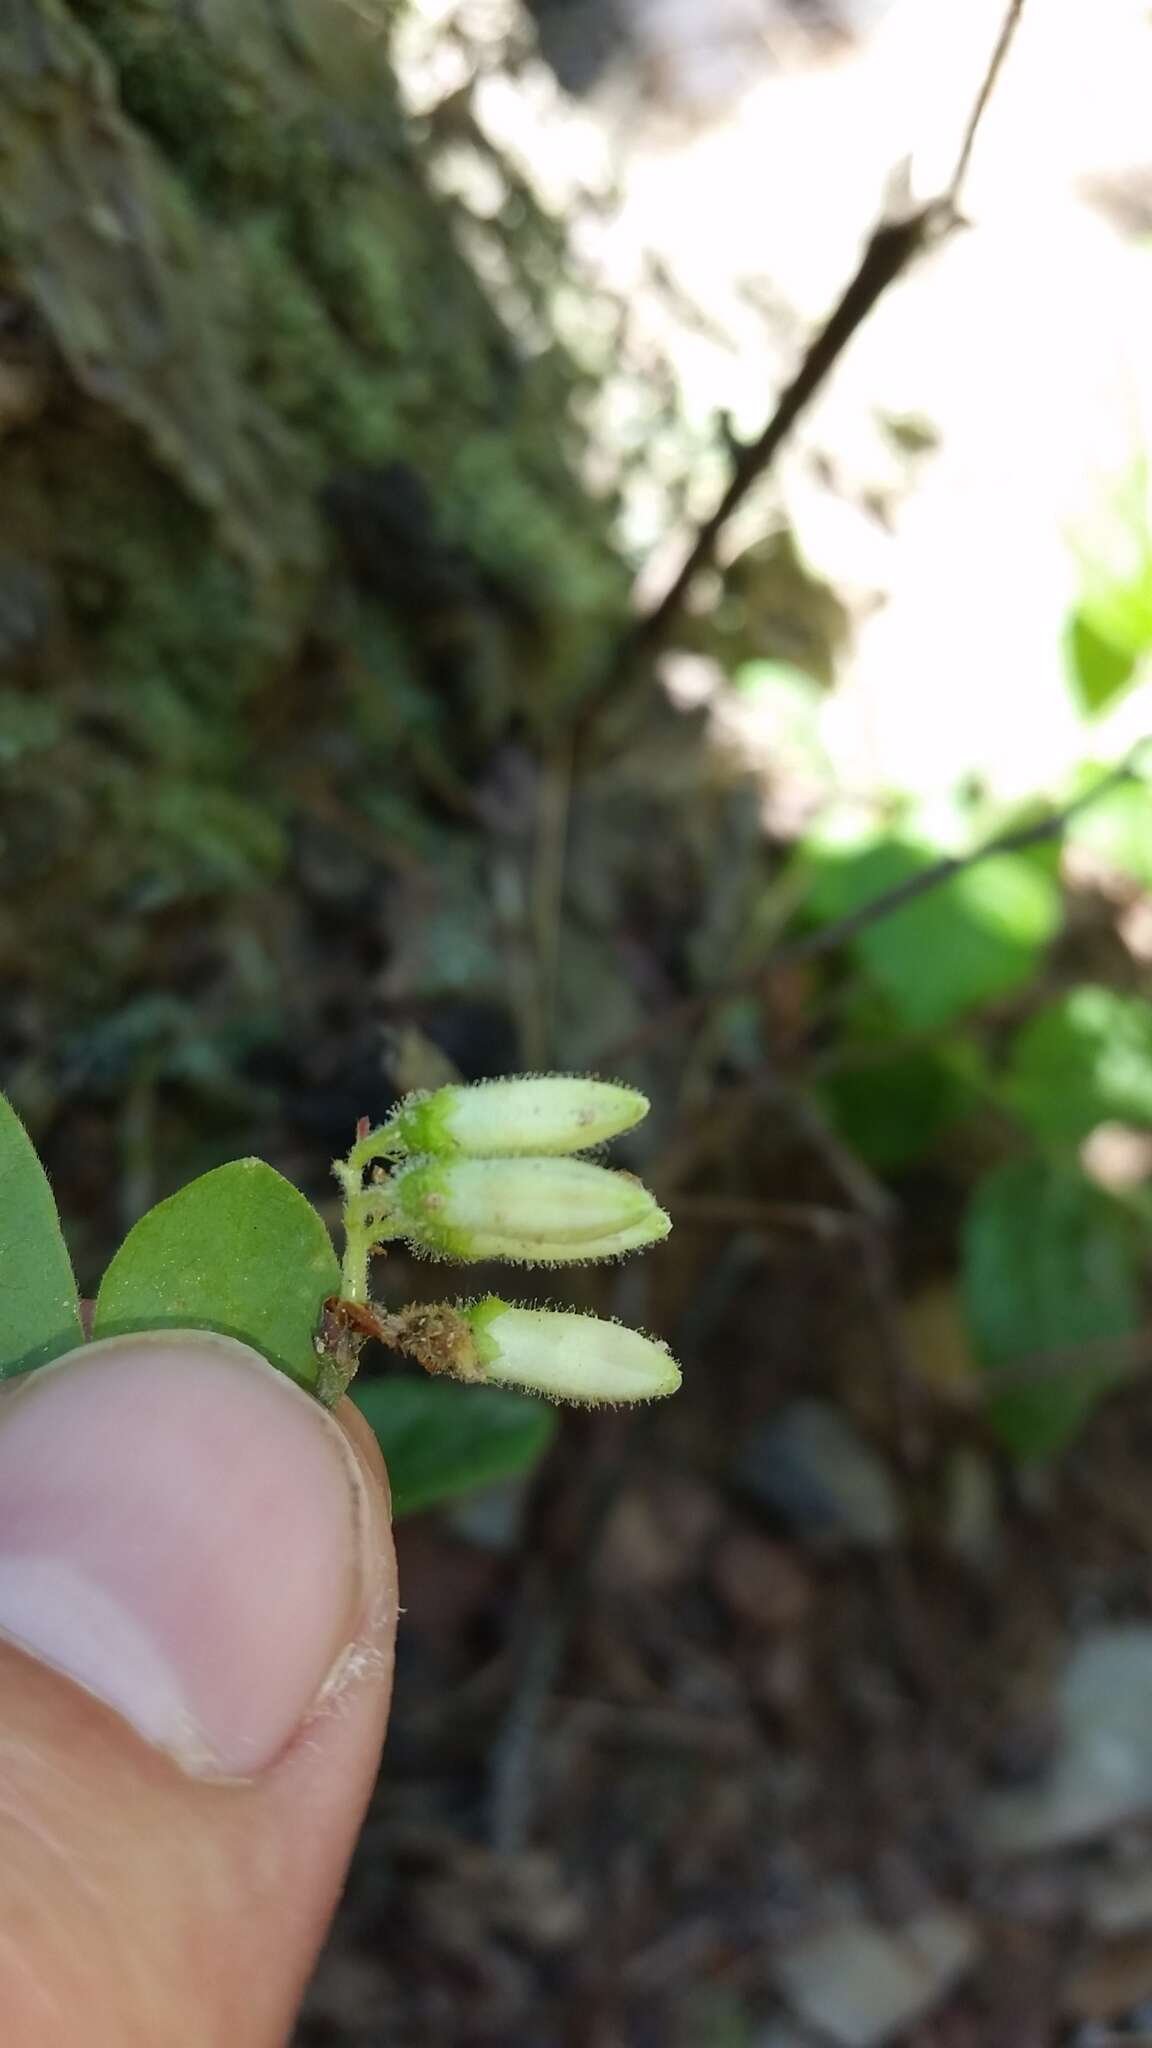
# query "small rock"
(655, 1534)
(760, 1583)
(1111, 1981)
(492, 1517)
(1118, 1900)
(1101, 1774)
(860, 1984)
(814, 1471)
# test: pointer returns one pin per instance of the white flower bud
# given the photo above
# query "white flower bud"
(527, 1114)
(531, 1210)
(568, 1357)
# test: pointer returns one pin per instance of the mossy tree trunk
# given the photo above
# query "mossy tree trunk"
(289, 525)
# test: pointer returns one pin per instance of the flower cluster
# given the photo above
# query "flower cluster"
(490, 1172)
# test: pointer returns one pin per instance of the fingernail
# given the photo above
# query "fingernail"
(182, 1531)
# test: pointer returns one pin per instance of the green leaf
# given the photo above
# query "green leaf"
(1084, 1061)
(889, 1111)
(1113, 620)
(440, 1439)
(963, 943)
(1117, 828)
(1118, 608)
(39, 1306)
(1100, 670)
(240, 1251)
(1049, 1268)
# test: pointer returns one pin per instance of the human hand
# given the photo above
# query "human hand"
(197, 1613)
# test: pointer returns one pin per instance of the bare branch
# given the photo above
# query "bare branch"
(891, 248)
(827, 938)
(1008, 30)
(1051, 826)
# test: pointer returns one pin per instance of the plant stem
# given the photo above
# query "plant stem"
(366, 1216)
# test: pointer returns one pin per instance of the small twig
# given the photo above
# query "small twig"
(553, 808)
(891, 249)
(1008, 28)
(827, 938)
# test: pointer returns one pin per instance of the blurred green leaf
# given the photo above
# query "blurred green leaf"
(891, 1110)
(1117, 828)
(963, 943)
(1049, 1265)
(1118, 610)
(240, 1251)
(1100, 670)
(1114, 617)
(39, 1307)
(440, 1439)
(1085, 1060)
(844, 875)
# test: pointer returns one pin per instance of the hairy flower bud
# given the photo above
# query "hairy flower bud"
(532, 1210)
(527, 1114)
(569, 1357)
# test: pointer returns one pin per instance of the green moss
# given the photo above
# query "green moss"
(238, 140)
(258, 291)
(302, 363)
(140, 564)
(367, 272)
(27, 726)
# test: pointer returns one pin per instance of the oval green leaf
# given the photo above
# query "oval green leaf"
(967, 941)
(240, 1251)
(39, 1306)
(1117, 829)
(1100, 668)
(440, 1439)
(1082, 1061)
(1052, 1292)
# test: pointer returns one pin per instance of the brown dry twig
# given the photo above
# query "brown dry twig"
(890, 250)
(1008, 27)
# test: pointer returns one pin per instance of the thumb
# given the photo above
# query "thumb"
(197, 1610)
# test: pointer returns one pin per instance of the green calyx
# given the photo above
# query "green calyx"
(424, 1212)
(521, 1116)
(422, 1124)
(480, 1314)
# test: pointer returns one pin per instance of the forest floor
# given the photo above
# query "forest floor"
(781, 1717)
